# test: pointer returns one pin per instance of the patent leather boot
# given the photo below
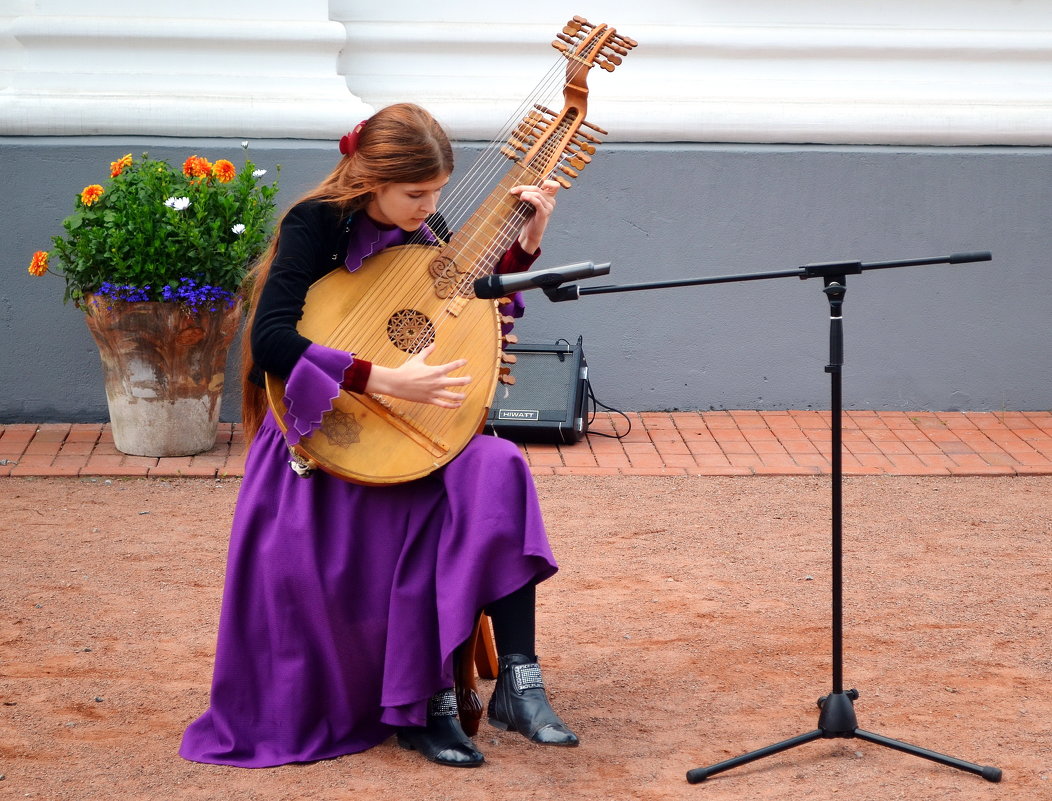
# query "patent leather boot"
(442, 740)
(519, 703)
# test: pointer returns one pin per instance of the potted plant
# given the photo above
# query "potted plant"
(155, 259)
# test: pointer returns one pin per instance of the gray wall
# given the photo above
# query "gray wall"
(960, 337)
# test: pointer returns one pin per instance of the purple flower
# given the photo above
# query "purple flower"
(196, 298)
(123, 292)
(193, 297)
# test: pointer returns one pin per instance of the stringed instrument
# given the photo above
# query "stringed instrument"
(405, 298)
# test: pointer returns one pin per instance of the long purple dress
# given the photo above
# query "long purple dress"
(344, 604)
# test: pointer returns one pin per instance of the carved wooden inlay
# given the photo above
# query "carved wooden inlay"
(410, 330)
(449, 280)
(341, 428)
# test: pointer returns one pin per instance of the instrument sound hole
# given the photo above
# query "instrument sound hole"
(410, 330)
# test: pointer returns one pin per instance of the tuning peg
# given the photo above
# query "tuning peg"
(528, 130)
(594, 128)
(563, 182)
(518, 144)
(583, 148)
(510, 153)
(510, 339)
(509, 358)
(506, 378)
(569, 171)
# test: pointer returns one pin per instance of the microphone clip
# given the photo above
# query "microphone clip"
(560, 293)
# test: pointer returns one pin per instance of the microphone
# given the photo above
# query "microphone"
(497, 286)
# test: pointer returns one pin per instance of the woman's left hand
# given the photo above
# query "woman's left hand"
(542, 198)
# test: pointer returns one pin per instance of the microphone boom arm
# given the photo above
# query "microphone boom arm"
(815, 270)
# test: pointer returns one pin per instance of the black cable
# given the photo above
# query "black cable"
(596, 402)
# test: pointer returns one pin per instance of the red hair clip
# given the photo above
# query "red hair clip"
(349, 141)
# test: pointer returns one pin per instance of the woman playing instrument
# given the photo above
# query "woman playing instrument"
(344, 604)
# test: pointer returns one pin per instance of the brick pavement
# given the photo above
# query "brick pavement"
(659, 443)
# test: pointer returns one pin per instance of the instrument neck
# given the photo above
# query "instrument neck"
(485, 236)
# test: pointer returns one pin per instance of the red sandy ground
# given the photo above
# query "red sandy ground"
(690, 622)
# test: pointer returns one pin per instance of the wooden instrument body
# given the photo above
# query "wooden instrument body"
(401, 298)
(373, 439)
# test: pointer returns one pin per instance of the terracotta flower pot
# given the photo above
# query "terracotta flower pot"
(164, 372)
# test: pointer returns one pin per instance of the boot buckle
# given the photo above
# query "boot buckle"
(527, 677)
(442, 704)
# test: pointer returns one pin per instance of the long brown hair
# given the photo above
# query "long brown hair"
(402, 143)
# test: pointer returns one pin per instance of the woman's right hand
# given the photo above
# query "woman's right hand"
(420, 382)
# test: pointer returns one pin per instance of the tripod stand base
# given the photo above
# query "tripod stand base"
(837, 720)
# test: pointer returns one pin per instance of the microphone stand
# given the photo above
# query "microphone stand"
(837, 717)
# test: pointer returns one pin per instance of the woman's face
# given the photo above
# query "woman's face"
(406, 205)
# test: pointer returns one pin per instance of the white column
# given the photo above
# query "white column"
(237, 68)
(943, 72)
(10, 49)
(895, 72)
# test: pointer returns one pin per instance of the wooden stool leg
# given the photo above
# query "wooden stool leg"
(468, 704)
(478, 653)
(485, 649)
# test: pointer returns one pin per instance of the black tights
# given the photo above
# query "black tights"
(514, 621)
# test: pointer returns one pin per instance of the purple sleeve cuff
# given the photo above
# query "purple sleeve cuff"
(515, 259)
(312, 387)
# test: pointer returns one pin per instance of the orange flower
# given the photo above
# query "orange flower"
(91, 194)
(38, 266)
(224, 171)
(117, 167)
(197, 167)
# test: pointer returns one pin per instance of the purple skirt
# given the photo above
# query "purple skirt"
(344, 604)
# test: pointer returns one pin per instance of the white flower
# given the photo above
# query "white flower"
(258, 173)
(177, 203)
(238, 229)
(244, 144)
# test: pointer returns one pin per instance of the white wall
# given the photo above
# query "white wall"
(946, 72)
(240, 68)
(889, 72)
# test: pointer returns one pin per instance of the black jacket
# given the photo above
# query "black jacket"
(312, 242)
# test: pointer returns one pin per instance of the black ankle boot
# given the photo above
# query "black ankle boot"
(442, 740)
(520, 704)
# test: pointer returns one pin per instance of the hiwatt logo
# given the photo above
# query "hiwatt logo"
(518, 414)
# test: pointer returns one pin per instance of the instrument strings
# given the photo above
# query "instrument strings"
(466, 197)
(492, 163)
(457, 208)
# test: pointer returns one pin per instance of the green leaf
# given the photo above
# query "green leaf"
(130, 237)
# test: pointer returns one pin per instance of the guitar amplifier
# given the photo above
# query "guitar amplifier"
(547, 402)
